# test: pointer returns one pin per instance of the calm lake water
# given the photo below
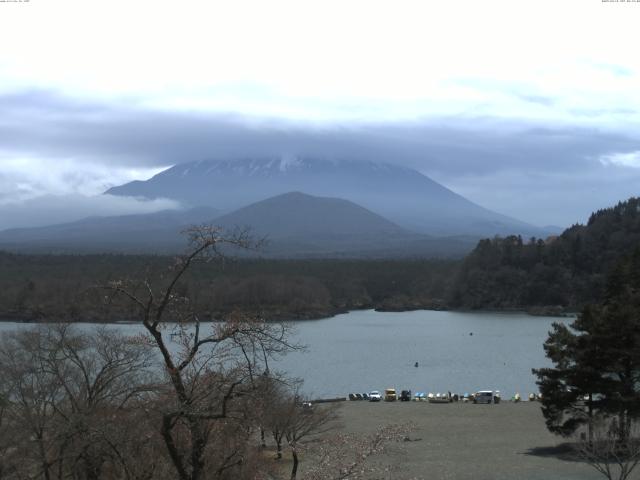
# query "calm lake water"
(459, 352)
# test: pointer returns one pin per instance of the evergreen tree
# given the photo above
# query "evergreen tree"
(597, 359)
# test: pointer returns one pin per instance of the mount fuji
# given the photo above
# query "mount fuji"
(402, 195)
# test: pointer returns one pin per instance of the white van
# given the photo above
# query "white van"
(483, 396)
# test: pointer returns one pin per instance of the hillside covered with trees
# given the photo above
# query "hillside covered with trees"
(566, 271)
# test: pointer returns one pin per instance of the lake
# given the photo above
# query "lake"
(459, 352)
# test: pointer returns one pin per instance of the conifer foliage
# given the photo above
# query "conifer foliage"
(567, 271)
(597, 359)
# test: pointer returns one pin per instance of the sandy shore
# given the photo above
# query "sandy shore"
(466, 441)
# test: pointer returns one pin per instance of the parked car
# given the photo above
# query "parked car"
(375, 396)
(365, 396)
(390, 395)
(352, 397)
(405, 396)
(439, 398)
(358, 396)
(483, 396)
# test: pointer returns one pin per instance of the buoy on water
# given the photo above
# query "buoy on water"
(416, 365)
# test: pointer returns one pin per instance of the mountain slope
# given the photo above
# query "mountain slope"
(295, 225)
(299, 225)
(404, 196)
(299, 215)
(151, 232)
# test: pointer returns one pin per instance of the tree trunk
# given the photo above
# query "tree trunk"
(91, 470)
(43, 457)
(279, 448)
(590, 424)
(174, 454)
(294, 469)
(198, 444)
(263, 441)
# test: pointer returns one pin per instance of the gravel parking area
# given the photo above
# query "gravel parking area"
(466, 441)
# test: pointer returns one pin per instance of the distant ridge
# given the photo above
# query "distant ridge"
(157, 232)
(295, 225)
(402, 195)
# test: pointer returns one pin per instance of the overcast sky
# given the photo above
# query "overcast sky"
(530, 108)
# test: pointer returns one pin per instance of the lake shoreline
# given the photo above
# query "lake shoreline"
(280, 317)
(277, 317)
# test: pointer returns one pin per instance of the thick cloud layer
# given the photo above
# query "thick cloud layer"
(41, 124)
(545, 174)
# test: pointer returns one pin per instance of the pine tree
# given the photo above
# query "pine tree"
(597, 359)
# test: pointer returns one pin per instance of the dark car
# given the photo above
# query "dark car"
(405, 396)
(483, 396)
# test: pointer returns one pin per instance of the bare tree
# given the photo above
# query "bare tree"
(31, 394)
(102, 374)
(611, 453)
(63, 390)
(306, 422)
(278, 422)
(272, 390)
(210, 373)
(5, 443)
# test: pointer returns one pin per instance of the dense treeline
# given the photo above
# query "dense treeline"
(567, 271)
(61, 287)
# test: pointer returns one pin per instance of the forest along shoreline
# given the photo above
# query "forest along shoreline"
(537, 313)
(61, 291)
